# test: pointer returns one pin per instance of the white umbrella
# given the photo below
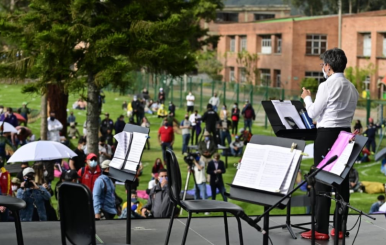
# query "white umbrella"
(309, 150)
(8, 128)
(42, 151)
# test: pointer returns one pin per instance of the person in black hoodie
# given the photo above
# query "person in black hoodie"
(211, 118)
(136, 104)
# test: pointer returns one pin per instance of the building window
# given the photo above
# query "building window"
(277, 78)
(242, 75)
(231, 74)
(232, 44)
(265, 76)
(264, 16)
(366, 44)
(316, 75)
(227, 17)
(278, 44)
(384, 46)
(266, 44)
(316, 44)
(243, 43)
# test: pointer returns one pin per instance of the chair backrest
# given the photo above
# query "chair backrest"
(174, 177)
(77, 219)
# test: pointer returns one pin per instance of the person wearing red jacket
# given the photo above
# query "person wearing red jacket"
(5, 180)
(89, 173)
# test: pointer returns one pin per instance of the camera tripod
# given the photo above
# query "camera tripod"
(190, 171)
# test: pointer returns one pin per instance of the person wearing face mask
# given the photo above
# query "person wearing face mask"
(215, 102)
(90, 172)
(73, 132)
(207, 148)
(211, 118)
(185, 127)
(165, 137)
(172, 108)
(216, 168)
(235, 116)
(15, 185)
(156, 167)
(334, 109)
(195, 120)
(106, 124)
(78, 161)
(53, 128)
(190, 102)
(136, 104)
(9, 117)
(375, 206)
(105, 151)
(158, 203)
(104, 194)
(224, 127)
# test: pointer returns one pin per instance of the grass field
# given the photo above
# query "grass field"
(10, 96)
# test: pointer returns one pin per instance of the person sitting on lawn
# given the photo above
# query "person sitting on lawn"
(237, 146)
(375, 206)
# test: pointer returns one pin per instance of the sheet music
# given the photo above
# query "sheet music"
(121, 150)
(137, 145)
(291, 171)
(342, 161)
(287, 109)
(264, 167)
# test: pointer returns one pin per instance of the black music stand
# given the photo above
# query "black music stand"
(264, 198)
(127, 176)
(335, 181)
(280, 130)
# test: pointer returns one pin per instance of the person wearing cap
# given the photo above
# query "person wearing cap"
(53, 128)
(211, 118)
(24, 111)
(15, 185)
(207, 148)
(190, 102)
(104, 194)
(91, 172)
(237, 146)
(106, 123)
(161, 96)
(34, 195)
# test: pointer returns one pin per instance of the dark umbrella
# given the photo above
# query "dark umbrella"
(381, 154)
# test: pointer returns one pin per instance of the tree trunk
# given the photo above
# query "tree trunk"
(349, 6)
(43, 113)
(93, 112)
(58, 100)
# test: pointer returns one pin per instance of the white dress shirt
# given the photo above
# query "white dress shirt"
(193, 117)
(53, 129)
(335, 103)
(190, 100)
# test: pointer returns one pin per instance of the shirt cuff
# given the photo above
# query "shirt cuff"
(308, 100)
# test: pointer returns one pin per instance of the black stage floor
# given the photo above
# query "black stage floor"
(205, 230)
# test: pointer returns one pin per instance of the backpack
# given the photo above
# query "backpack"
(248, 113)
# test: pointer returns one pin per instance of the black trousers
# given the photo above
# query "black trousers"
(325, 138)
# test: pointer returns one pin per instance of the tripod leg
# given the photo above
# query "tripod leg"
(288, 220)
(186, 188)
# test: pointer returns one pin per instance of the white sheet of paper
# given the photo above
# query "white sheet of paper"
(121, 150)
(342, 161)
(137, 146)
(287, 109)
(116, 163)
(291, 171)
(264, 167)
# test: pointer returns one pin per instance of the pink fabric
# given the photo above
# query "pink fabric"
(142, 194)
(57, 173)
(65, 165)
(337, 149)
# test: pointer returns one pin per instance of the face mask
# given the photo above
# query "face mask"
(234, 106)
(324, 73)
(186, 118)
(223, 108)
(135, 99)
(52, 118)
(14, 188)
(83, 147)
(206, 138)
(45, 173)
(162, 178)
(92, 164)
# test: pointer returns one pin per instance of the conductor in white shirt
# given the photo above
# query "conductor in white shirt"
(333, 110)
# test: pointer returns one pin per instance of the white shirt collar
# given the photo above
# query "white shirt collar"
(336, 75)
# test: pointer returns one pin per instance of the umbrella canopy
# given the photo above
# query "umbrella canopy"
(8, 128)
(381, 154)
(309, 150)
(19, 117)
(42, 151)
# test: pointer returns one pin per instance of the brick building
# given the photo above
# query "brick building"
(288, 48)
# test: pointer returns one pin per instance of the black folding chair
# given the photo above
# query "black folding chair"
(195, 206)
(77, 218)
(15, 205)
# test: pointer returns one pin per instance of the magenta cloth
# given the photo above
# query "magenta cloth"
(142, 194)
(57, 173)
(337, 149)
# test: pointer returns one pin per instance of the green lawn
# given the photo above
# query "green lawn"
(10, 95)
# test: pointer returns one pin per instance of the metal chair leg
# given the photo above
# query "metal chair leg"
(186, 228)
(170, 226)
(19, 233)
(226, 228)
(240, 230)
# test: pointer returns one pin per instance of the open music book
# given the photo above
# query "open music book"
(132, 145)
(268, 168)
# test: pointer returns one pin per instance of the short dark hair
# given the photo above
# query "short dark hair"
(336, 58)
(381, 197)
(102, 139)
(81, 141)
(25, 163)
(162, 171)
